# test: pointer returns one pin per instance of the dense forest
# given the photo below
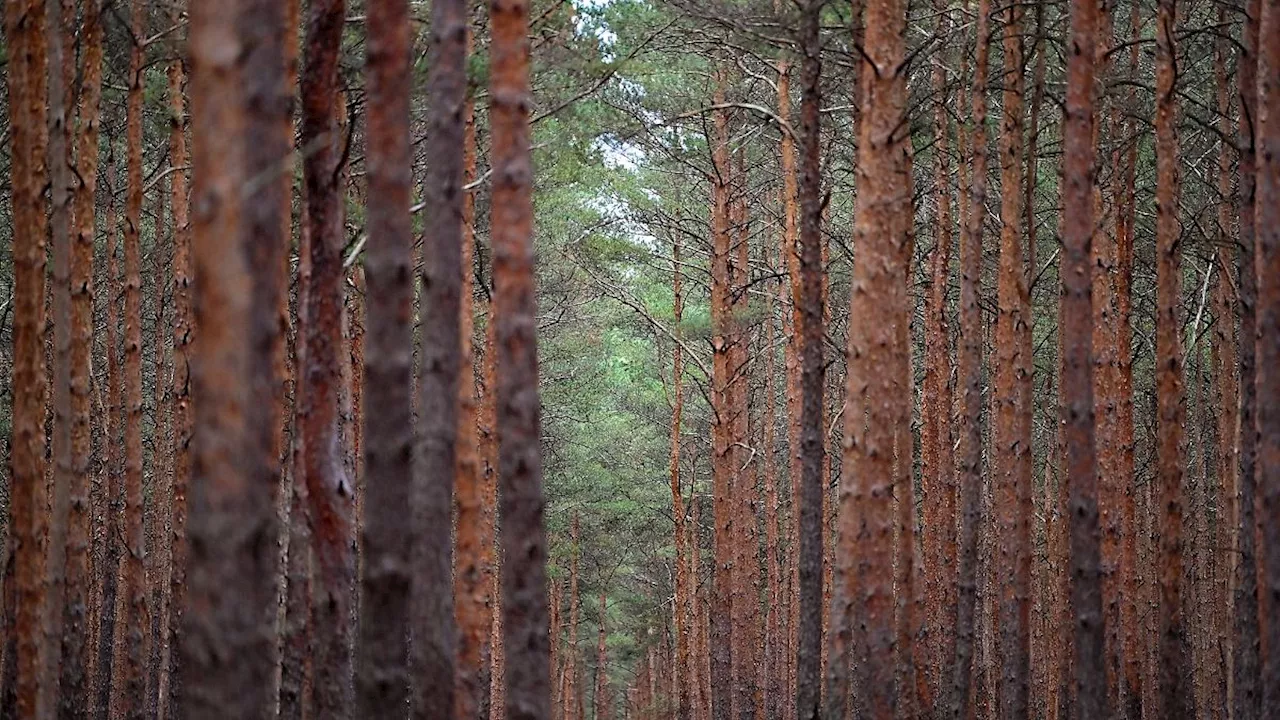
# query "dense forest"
(640, 359)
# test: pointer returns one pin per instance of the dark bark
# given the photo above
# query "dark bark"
(382, 673)
(1246, 665)
(807, 507)
(1174, 678)
(434, 627)
(1077, 408)
(330, 489)
(1268, 330)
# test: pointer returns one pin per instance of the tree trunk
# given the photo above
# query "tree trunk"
(1246, 665)
(1268, 359)
(25, 43)
(183, 330)
(1080, 461)
(382, 674)
(1174, 696)
(936, 456)
(329, 489)
(1013, 383)
(524, 544)
(686, 672)
(807, 503)
(721, 631)
(969, 367)
(881, 233)
(77, 652)
(473, 581)
(128, 677)
(602, 661)
(58, 624)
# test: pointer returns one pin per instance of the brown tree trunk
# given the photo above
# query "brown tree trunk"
(524, 544)
(721, 631)
(77, 652)
(60, 115)
(493, 558)
(807, 504)
(127, 675)
(569, 692)
(686, 673)
(775, 635)
(602, 661)
(329, 489)
(1268, 260)
(936, 436)
(1174, 697)
(969, 367)
(1246, 665)
(382, 678)
(473, 580)
(881, 233)
(231, 585)
(1011, 438)
(1225, 392)
(1080, 461)
(25, 43)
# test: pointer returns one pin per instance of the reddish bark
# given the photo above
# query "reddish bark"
(1011, 439)
(969, 367)
(935, 412)
(524, 594)
(721, 632)
(127, 675)
(882, 231)
(1080, 460)
(329, 489)
(686, 672)
(473, 580)
(77, 651)
(183, 330)
(25, 40)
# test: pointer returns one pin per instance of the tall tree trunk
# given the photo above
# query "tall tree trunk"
(602, 660)
(1011, 439)
(524, 543)
(434, 628)
(881, 232)
(1077, 407)
(382, 673)
(685, 671)
(330, 490)
(772, 681)
(25, 43)
(128, 679)
(183, 329)
(76, 650)
(108, 573)
(1268, 260)
(969, 367)
(722, 687)
(1174, 696)
(569, 692)
(1246, 665)
(230, 578)
(807, 504)
(1126, 215)
(60, 116)
(935, 412)
(473, 580)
